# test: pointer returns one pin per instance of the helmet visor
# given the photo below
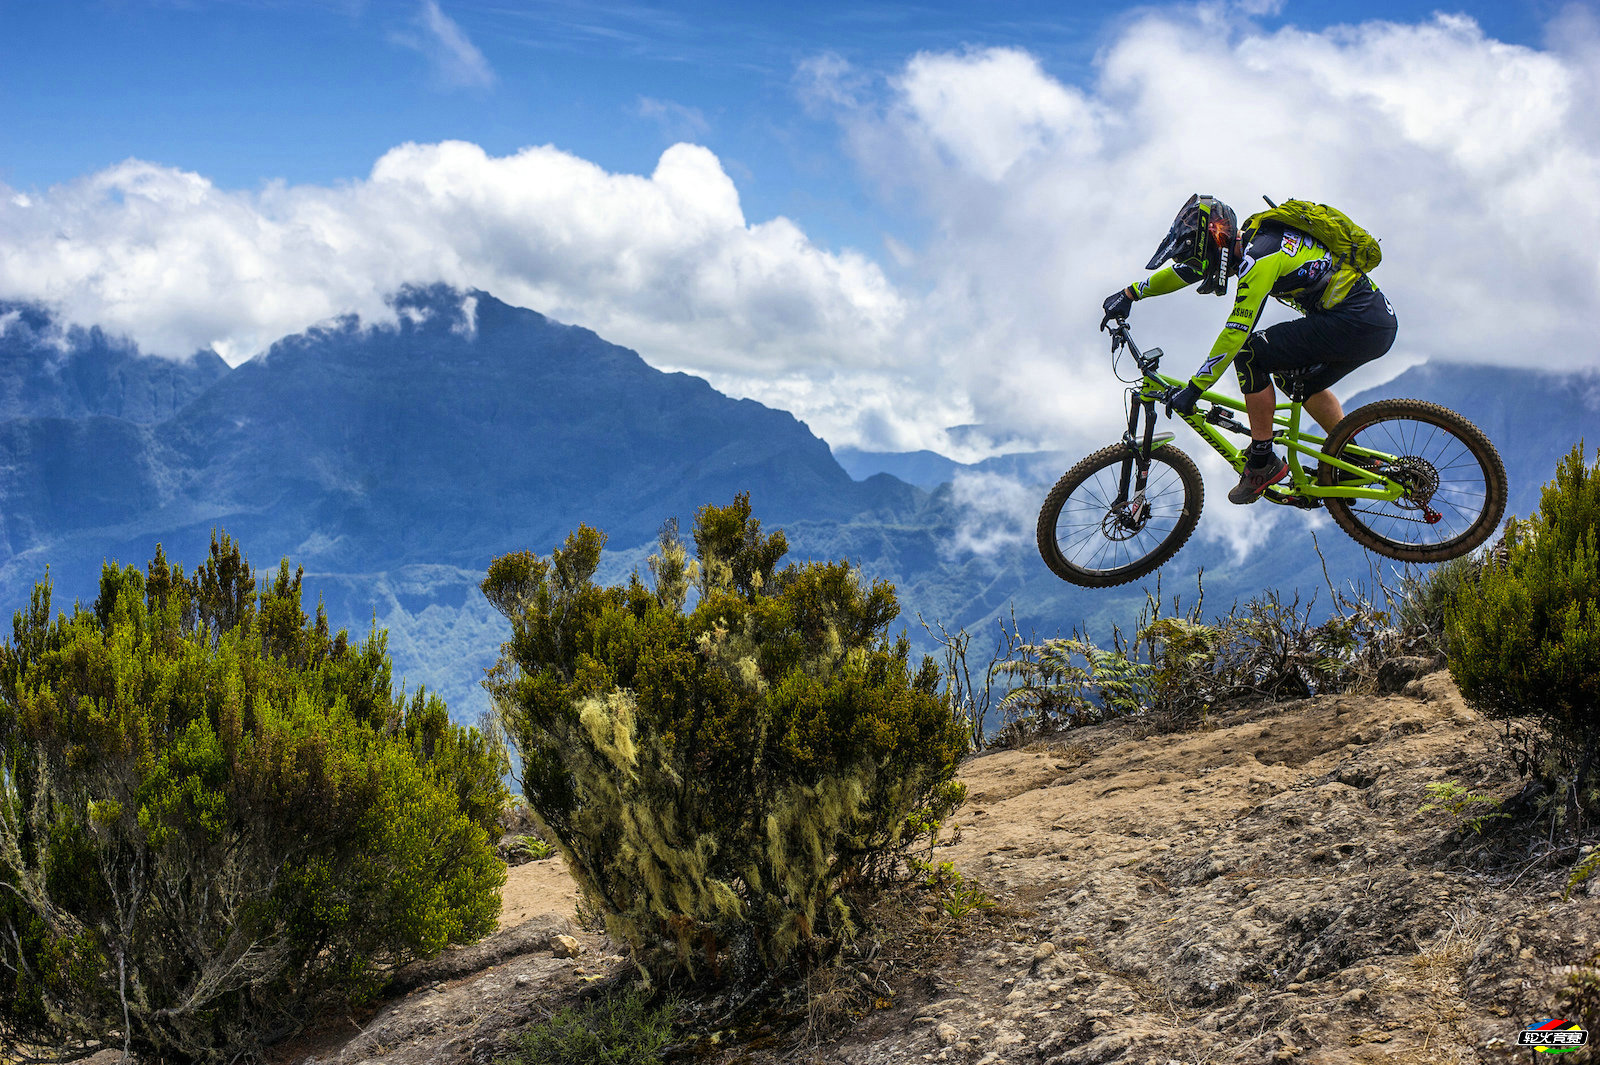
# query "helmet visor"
(1177, 245)
(1183, 239)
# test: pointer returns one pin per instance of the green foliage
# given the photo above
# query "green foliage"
(1450, 797)
(1527, 646)
(1588, 866)
(528, 849)
(956, 896)
(717, 778)
(1053, 690)
(617, 1030)
(1267, 647)
(1176, 665)
(213, 811)
(1185, 655)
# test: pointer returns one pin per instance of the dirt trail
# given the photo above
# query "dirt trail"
(1265, 890)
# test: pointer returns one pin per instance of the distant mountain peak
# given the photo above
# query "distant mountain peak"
(51, 369)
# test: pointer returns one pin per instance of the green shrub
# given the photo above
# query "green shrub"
(717, 778)
(621, 1029)
(212, 811)
(1527, 646)
(1052, 690)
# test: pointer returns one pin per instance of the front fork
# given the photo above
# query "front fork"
(1136, 467)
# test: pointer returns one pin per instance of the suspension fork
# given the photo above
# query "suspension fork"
(1138, 451)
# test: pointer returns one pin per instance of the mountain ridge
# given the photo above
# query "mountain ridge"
(394, 462)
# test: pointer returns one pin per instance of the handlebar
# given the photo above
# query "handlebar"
(1121, 335)
(1149, 365)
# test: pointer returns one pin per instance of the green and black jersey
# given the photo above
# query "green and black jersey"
(1282, 263)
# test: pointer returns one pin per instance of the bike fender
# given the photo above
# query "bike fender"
(1160, 440)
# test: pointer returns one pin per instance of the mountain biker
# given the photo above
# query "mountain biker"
(1313, 352)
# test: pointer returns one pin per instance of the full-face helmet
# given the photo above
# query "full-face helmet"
(1204, 236)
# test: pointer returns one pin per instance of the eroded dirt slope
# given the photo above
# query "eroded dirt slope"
(1264, 890)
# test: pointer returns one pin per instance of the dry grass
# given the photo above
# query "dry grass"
(1437, 969)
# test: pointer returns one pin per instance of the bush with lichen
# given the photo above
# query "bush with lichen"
(214, 812)
(718, 778)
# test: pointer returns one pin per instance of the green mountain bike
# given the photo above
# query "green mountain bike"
(1407, 479)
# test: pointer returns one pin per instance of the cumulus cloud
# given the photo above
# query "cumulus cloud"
(665, 263)
(1472, 159)
(1041, 191)
(1466, 155)
(456, 61)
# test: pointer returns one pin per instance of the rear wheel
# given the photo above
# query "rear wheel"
(1088, 538)
(1455, 483)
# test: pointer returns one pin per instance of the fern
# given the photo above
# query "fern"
(1457, 801)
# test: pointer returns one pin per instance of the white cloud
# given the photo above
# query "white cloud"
(987, 111)
(1472, 159)
(665, 263)
(994, 512)
(456, 61)
(1042, 191)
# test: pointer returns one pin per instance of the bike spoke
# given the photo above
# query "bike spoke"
(1456, 487)
(1080, 529)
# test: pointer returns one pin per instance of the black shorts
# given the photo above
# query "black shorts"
(1308, 354)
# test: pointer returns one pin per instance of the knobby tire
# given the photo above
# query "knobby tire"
(1460, 456)
(1176, 493)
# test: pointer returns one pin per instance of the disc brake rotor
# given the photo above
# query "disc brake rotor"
(1124, 521)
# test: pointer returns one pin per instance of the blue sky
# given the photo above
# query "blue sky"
(248, 91)
(888, 219)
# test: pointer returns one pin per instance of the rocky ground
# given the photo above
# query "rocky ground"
(1263, 889)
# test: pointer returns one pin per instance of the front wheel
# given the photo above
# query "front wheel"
(1089, 538)
(1454, 481)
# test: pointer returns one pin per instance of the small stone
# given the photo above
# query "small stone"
(523, 980)
(566, 947)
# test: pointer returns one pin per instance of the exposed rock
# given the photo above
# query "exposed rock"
(1165, 907)
(1396, 673)
(534, 937)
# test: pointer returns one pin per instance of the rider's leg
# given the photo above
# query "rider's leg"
(1259, 407)
(1323, 406)
(1262, 465)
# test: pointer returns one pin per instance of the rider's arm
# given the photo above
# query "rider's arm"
(1255, 283)
(1165, 280)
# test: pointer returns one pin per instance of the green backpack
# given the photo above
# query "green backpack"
(1355, 251)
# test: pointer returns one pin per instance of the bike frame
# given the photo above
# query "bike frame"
(1301, 490)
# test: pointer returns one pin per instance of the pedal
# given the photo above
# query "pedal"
(1288, 497)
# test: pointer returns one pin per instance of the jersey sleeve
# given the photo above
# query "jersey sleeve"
(1165, 280)
(1255, 284)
